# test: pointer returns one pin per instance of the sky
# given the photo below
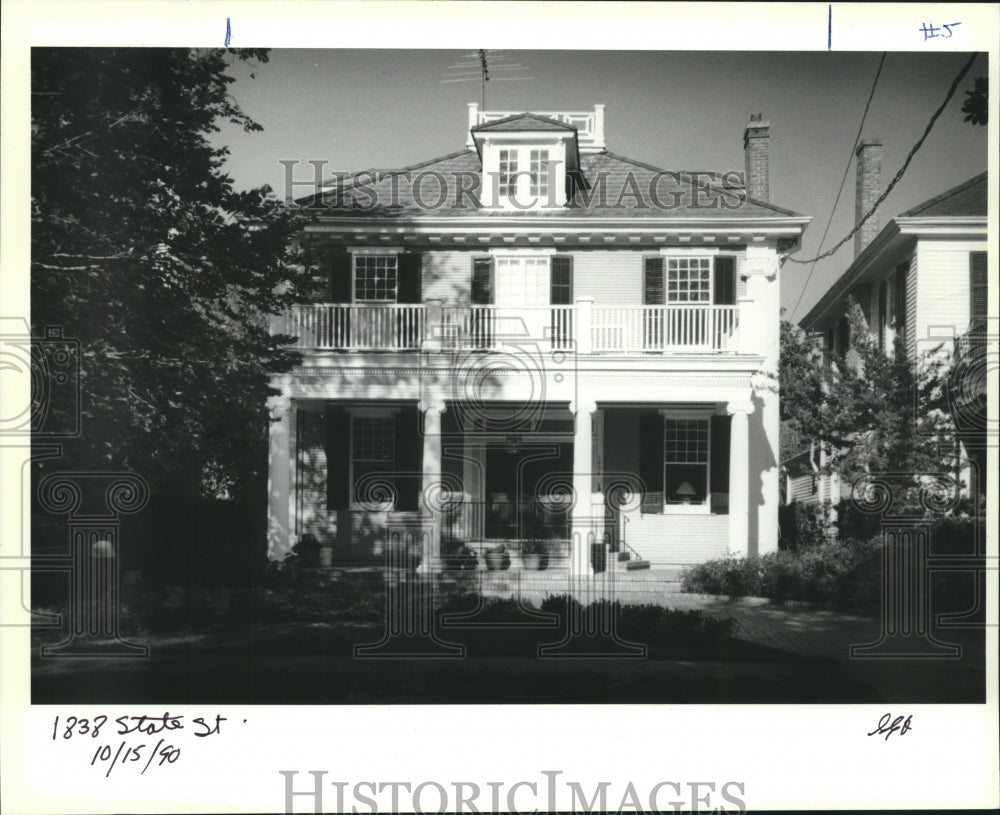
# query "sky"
(387, 108)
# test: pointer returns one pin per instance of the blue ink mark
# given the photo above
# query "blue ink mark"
(229, 32)
(931, 31)
(829, 26)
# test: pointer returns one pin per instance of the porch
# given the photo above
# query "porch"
(375, 482)
(582, 327)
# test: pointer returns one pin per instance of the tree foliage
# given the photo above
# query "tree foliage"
(870, 411)
(976, 106)
(143, 250)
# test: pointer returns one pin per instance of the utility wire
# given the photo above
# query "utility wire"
(899, 174)
(843, 179)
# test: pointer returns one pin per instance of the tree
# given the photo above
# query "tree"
(869, 411)
(976, 106)
(143, 251)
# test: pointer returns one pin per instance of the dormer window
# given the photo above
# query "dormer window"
(507, 179)
(539, 173)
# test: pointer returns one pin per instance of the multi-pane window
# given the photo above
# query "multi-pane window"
(374, 439)
(539, 173)
(375, 278)
(689, 280)
(685, 460)
(508, 172)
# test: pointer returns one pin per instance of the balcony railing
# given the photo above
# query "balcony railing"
(582, 328)
(644, 329)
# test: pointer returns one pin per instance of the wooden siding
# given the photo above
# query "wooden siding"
(800, 488)
(678, 540)
(941, 298)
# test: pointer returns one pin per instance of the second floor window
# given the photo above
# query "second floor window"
(375, 278)
(689, 280)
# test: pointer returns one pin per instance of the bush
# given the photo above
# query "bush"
(803, 525)
(845, 575)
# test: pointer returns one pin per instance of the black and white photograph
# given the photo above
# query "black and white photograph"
(460, 400)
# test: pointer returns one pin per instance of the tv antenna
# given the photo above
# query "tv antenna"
(478, 65)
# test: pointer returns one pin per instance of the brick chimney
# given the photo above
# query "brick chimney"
(867, 190)
(757, 166)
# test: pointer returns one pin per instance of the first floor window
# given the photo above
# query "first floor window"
(685, 461)
(375, 278)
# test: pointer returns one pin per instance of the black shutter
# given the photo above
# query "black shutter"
(725, 281)
(902, 273)
(719, 464)
(883, 304)
(482, 281)
(977, 289)
(651, 461)
(561, 281)
(408, 465)
(652, 282)
(338, 451)
(843, 336)
(340, 275)
(410, 279)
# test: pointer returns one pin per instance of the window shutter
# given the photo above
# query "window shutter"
(725, 281)
(882, 306)
(340, 275)
(651, 461)
(977, 288)
(482, 281)
(409, 278)
(652, 283)
(561, 280)
(719, 464)
(338, 452)
(843, 336)
(409, 456)
(902, 275)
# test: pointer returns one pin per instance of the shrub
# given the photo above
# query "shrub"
(845, 575)
(803, 525)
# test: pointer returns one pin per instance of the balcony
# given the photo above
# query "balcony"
(584, 328)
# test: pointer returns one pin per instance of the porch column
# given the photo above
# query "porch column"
(430, 492)
(739, 476)
(582, 533)
(281, 478)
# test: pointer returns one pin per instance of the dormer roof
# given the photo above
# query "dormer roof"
(523, 122)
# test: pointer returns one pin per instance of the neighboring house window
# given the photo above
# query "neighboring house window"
(689, 280)
(685, 461)
(375, 278)
(508, 172)
(977, 289)
(828, 347)
(539, 173)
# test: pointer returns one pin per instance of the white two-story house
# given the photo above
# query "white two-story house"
(924, 278)
(536, 338)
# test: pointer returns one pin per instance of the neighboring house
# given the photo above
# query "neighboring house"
(923, 276)
(534, 337)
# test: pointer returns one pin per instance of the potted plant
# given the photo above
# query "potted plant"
(533, 554)
(462, 559)
(497, 558)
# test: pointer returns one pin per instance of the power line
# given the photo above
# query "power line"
(899, 174)
(843, 179)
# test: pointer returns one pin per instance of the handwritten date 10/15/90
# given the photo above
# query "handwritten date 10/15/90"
(887, 725)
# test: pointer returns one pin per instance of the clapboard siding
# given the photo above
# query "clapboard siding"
(942, 294)
(678, 540)
(447, 276)
(608, 277)
(800, 489)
